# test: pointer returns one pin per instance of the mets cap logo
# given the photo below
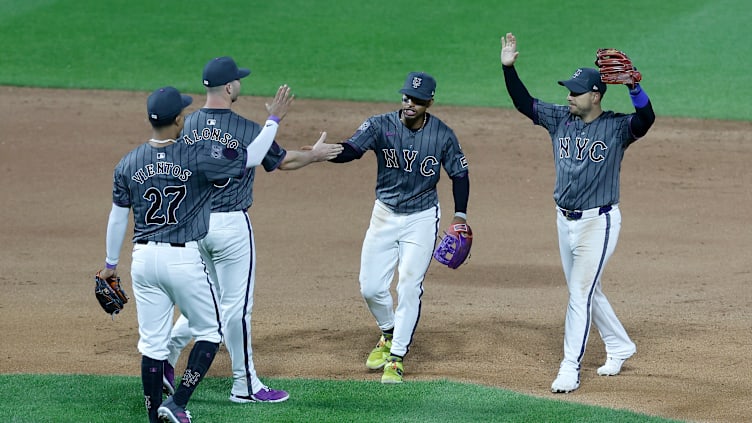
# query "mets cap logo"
(417, 82)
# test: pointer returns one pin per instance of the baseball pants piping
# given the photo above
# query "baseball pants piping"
(585, 246)
(392, 238)
(230, 250)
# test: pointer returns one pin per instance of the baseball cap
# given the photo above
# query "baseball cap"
(419, 85)
(222, 70)
(584, 80)
(165, 104)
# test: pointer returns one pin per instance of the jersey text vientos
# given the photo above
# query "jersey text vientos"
(161, 168)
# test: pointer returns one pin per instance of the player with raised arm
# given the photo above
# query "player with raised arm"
(588, 147)
(229, 249)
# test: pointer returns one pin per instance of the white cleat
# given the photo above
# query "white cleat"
(565, 382)
(612, 366)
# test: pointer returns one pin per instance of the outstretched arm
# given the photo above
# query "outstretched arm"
(348, 154)
(521, 98)
(319, 152)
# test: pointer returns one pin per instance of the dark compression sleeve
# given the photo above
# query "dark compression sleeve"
(521, 98)
(461, 192)
(349, 153)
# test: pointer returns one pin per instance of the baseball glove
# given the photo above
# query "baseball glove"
(454, 248)
(110, 294)
(615, 67)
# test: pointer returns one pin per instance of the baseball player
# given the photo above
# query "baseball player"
(588, 147)
(168, 185)
(229, 248)
(411, 146)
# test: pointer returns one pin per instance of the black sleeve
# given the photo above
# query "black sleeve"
(521, 98)
(350, 153)
(642, 120)
(461, 192)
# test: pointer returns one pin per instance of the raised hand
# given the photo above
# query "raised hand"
(281, 103)
(509, 51)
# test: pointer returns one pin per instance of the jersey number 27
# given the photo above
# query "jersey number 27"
(172, 195)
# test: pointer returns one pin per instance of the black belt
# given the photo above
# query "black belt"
(577, 214)
(173, 244)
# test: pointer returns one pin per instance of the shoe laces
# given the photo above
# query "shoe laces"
(382, 342)
(393, 365)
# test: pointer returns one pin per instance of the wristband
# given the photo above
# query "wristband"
(109, 266)
(461, 215)
(639, 97)
(274, 118)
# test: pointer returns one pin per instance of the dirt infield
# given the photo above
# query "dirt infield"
(679, 280)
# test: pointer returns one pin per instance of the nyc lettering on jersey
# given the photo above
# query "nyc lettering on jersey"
(426, 166)
(211, 134)
(161, 168)
(583, 148)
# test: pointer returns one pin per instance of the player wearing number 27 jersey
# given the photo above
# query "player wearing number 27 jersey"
(169, 185)
(411, 147)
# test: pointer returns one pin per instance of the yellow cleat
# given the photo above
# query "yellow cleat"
(393, 370)
(377, 357)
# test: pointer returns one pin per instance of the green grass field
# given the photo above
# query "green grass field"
(692, 55)
(82, 399)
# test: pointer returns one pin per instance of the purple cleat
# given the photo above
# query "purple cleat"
(173, 413)
(264, 394)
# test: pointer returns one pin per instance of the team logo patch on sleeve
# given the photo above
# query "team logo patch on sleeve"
(363, 126)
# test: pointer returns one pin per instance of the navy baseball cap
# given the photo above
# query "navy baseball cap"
(222, 70)
(419, 85)
(165, 104)
(584, 80)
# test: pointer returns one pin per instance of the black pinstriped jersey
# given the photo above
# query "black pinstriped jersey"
(229, 129)
(170, 188)
(587, 156)
(409, 162)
